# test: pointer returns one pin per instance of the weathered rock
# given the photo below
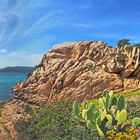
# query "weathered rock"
(76, 71)
(132, 67)
(81, 70)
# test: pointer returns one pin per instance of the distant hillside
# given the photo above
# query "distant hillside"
(19, 69)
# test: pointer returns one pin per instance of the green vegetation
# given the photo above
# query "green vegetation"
(137, 45)
(106, 118)
(109, 114)
(53, 122)
(90, 66)
(133, 109)
(121, 43)
(122, 58)
(129, 94)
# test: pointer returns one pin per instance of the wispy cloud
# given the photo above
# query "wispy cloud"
(34, 26)
(47, 21)
(19, 59)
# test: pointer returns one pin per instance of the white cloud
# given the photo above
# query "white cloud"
(19, 59)
(3, 51)
(47, 21)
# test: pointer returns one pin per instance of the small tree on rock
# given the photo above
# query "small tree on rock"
(137, 45)
(121, 43)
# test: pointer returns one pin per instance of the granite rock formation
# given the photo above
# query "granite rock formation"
(72, 70)
(81, 71)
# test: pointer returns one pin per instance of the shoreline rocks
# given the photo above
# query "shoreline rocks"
(76, 71)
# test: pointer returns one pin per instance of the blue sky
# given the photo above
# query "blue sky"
(28, 28)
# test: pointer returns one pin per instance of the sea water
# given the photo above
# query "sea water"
(7, 81)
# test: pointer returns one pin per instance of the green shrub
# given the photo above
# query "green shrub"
(121, 43)
(90, 66)
(129, 48)
(53, 122)
(137, 45)
(121, 58)
(65, 120)
(133, 109)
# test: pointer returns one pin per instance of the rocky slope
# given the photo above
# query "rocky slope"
(81, 70)
(10, 112)
(72, 70)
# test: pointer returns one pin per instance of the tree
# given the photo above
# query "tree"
(137, 45)
(123, 42)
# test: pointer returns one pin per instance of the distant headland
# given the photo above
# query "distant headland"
(17, 69)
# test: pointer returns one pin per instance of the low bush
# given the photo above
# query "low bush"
(53, 122)
(122, 58)
(137, 45)
(90, 66)
(133, 109)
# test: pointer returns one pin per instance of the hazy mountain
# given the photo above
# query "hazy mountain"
(19, 69)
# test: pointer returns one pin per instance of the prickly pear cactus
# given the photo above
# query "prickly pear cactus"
(76, 108)
(101, 103)
(122, 117)
(121, 102)
(107, 114)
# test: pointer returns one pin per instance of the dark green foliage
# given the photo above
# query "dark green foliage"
(76, 107)
(137, 45)
(133, 109)
(104, 93)
(123, 42)
(121, 58)
(23, 127)
(121, 102)
(53, 122)
(114, 100)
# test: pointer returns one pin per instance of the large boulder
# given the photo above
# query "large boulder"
(132, 67)
(80, 71)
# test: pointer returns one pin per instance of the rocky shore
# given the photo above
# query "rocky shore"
(76, 71)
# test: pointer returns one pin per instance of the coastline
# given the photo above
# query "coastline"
(7, 81)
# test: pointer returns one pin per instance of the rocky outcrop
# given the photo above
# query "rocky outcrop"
(10, 112)
(80, 71)
(72, 70)
(133, 61)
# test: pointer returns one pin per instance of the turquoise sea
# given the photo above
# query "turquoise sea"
(7, 80)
